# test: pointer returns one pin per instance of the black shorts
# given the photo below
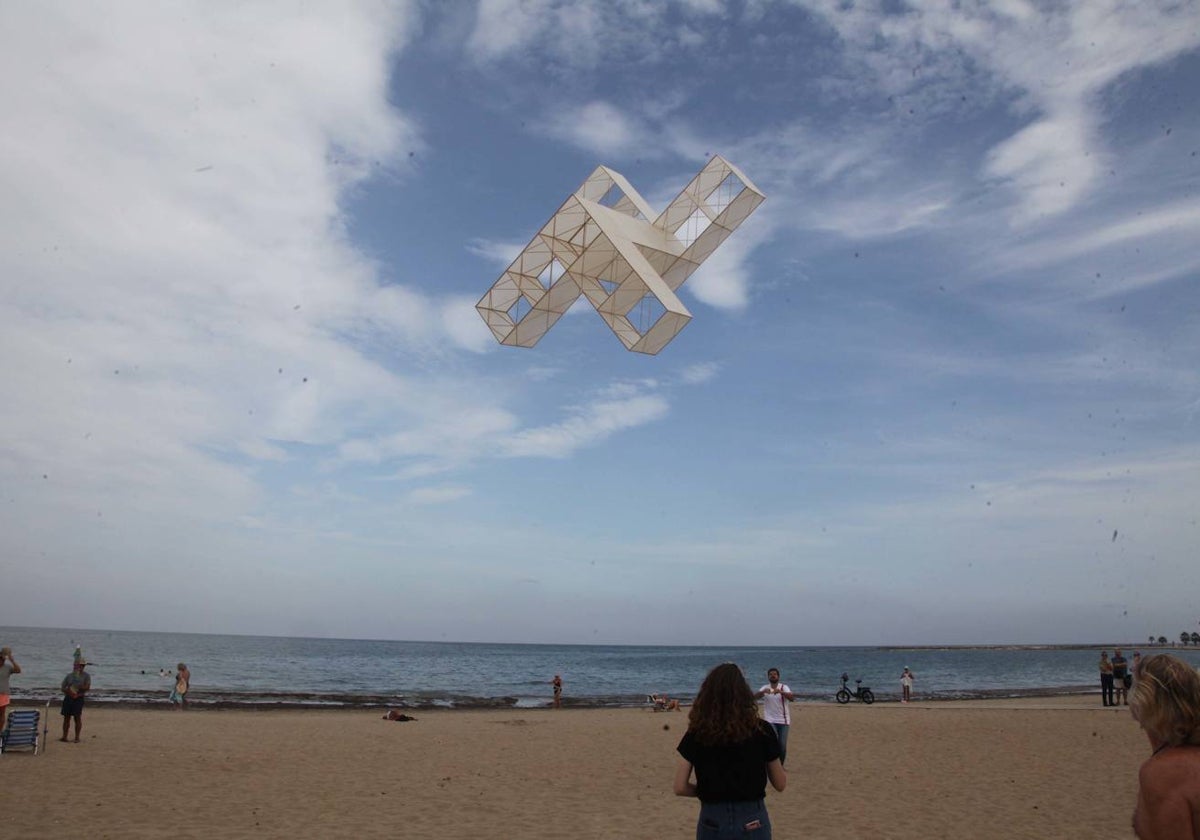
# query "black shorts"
(72, 706)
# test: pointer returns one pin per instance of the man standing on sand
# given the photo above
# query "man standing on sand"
(1106, 680)
(557, 683)
(74, 686)
(1121, 678)
(775, 709)
(8, 667)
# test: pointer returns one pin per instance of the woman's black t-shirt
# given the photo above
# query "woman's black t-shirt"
(732, 772)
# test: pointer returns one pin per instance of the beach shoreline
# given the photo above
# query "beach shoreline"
(1016, 767)
(255, 701)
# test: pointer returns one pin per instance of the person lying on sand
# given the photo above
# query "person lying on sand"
(395, 715)
(663, 703)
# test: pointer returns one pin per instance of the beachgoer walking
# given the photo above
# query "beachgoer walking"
(1106, 679)
(775, 709)
(906, 682)
(8, 667)
(733, 755)
(1121, 678)
(75, 686)
(1166, 702)
(557, 683)
(183, 681)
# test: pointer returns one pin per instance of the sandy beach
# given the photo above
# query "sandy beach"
(1029, 768)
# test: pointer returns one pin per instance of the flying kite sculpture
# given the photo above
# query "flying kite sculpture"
(602, 244)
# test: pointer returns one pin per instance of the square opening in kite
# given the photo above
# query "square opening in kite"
(693, 226)
(551, 273)
(520, 308)
(645, 313)
(724, 194)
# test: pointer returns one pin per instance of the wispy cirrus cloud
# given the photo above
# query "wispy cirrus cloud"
(499, 252)
(1054, 159)
(439, 495)
(590, 425)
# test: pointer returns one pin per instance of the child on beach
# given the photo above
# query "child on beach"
(733, 754)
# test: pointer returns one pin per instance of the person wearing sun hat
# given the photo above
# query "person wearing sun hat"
(74, 686)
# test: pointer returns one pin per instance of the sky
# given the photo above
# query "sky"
(943, 387)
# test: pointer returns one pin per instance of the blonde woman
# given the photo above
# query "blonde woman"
(1166, 702)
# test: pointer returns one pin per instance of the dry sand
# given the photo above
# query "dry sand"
(1054, 768)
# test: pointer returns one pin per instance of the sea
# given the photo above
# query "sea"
(137, 668)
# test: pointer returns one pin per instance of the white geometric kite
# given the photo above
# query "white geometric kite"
(602, 244)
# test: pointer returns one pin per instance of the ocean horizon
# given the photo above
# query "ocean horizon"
(229, 670)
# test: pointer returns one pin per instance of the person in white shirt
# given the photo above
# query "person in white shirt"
(775, 709)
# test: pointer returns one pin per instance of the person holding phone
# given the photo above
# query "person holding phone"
(775, 709)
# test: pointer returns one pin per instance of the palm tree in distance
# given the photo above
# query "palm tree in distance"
(1195, 638)
(1185, 637)
(1151, 640)
(1162, 640)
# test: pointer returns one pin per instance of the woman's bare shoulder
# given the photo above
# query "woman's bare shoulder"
(1174, 767)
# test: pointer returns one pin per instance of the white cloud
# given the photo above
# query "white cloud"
(704, 7)
(1049, 163)
(500, 252)
(454, 437)
(436, 495)
(592, 425)
(1177, 220)
(580, 35)
(700, 373)
(599, 127)
(1057, 59)
(173, 204)
(463, 325)
(504, 26)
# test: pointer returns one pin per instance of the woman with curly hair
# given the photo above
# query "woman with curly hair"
(733, 754)
(1166, 702)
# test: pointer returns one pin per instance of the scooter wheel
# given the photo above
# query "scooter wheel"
(867, 696)
(843, 696)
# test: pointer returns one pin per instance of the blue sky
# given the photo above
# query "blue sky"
(942, 387)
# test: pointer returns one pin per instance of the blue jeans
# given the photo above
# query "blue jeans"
(733, 820)
(781, 731)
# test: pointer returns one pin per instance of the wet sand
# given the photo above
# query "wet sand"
(1028, 768)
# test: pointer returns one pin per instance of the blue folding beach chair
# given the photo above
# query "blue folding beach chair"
(21, 731)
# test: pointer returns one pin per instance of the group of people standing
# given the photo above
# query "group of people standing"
(75, 687)
(729, 753)
(1116, 677)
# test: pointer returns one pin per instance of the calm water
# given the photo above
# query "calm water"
(255, 670)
